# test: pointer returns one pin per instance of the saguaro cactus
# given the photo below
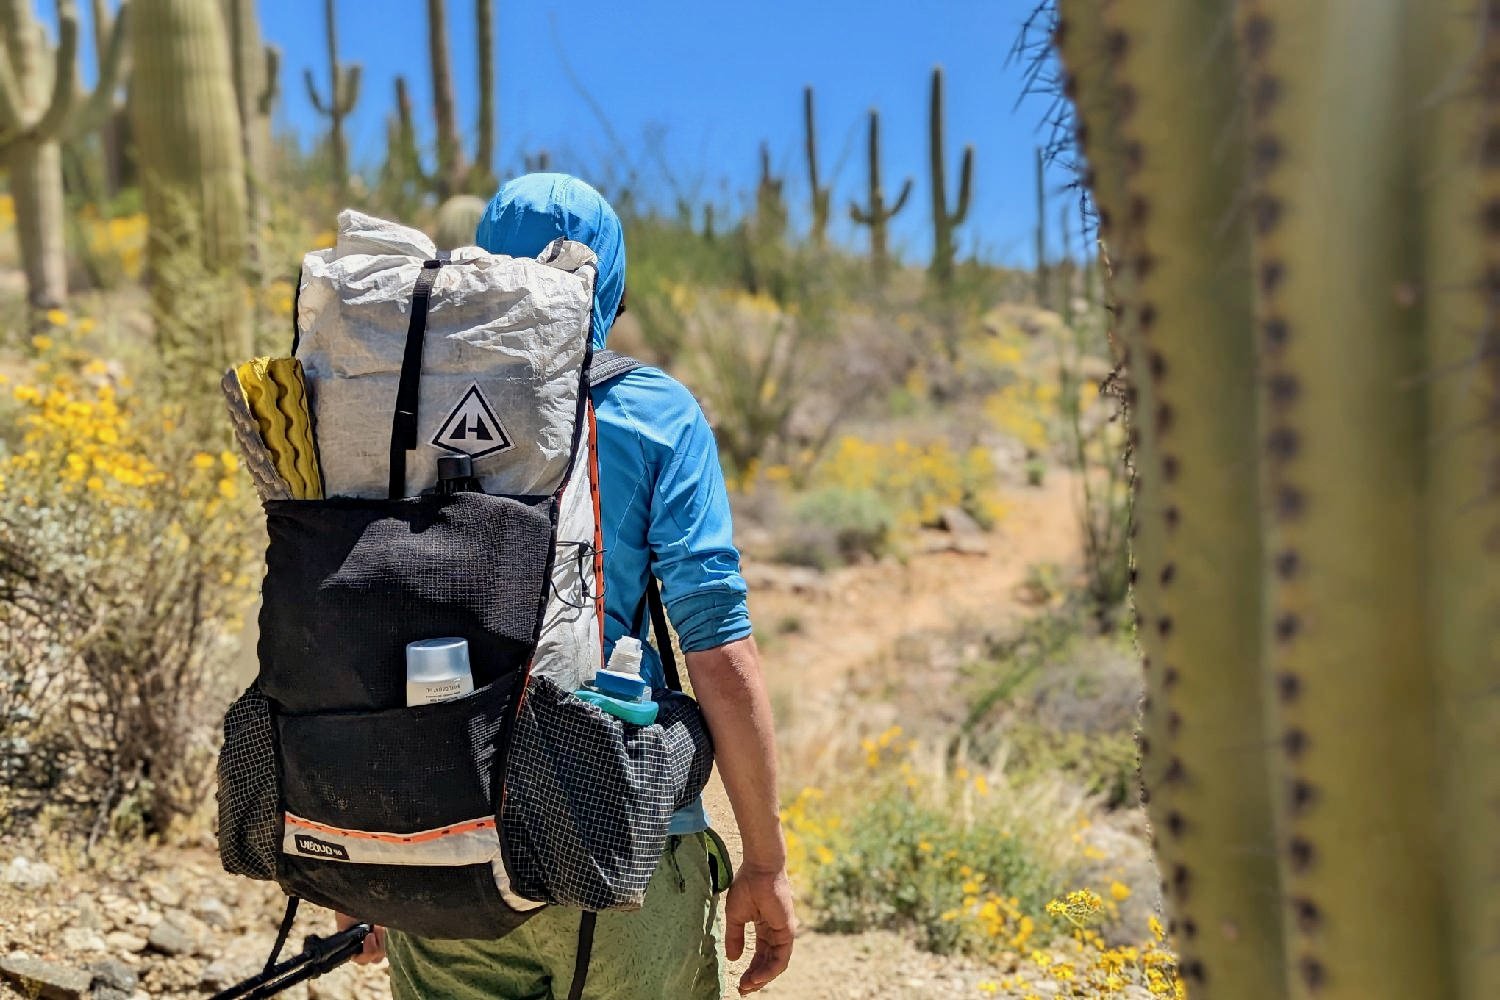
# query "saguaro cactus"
(821, 197)
(186, 123)
(343, 92)
(402, 180)
(944, 221)
(1042, 289)
(770, 206)
(1305, 247)
(450, 151)
(482, 171)
(875, 214)
(256, 76)
(39, 106)
(113, 123)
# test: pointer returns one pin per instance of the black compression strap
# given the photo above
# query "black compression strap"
(287, 919)
(586, 926)
(662, 634)
(404, 420)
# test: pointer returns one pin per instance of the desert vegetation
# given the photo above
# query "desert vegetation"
(1235, 422)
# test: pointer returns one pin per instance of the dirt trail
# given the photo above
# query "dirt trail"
(853, 619)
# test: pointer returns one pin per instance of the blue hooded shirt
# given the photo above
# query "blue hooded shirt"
(663, 504)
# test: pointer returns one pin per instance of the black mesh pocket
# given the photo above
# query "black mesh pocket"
(249, 811)
(588, 798)
(390, 815)
(350, 582)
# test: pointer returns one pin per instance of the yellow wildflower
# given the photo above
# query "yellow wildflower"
(42, 342)
(57, 317)
(203, 460)
(1119, 891)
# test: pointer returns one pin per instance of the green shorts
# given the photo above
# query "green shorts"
(667, 950)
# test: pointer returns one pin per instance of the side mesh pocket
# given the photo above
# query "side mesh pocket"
(588, 798)
(249, 807)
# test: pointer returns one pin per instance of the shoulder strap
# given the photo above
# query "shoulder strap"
(607, 364)
(662, 634)
(603, 366)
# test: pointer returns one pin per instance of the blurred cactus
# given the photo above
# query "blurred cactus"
(944, 221)
(1308, 313)
(449, 176)
(482, 170)
(875, 214)
(187, 131)
(457, 219)
(343, 93)
(114, 124)
(403, 183)
(256, 86)
(820, 196)
(1042, 291)
(39, 107)
(537, 163)
(770, 206)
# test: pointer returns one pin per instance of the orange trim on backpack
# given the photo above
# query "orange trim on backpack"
(425, 836)
(598, 524)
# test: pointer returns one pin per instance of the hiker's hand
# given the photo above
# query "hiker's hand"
(374, 949)
(762, 898)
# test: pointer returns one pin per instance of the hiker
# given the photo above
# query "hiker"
(664, 510)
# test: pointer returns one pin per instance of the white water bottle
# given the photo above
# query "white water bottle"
(437, 670)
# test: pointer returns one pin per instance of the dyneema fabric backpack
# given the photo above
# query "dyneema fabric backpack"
(457, 819)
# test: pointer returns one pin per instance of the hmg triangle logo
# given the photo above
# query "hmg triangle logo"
(471, 428)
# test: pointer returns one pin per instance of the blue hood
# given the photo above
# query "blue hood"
(531, 211)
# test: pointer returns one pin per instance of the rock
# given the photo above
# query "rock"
(115, 975)
(107, 993)
(88, 916)
(964, 545)
(216, 975)
(45, 979)
(797, 579)
(957, 521)
(170, 937)
(29, 875)
(125, 941)
(83, 939)
(163, 894)
(212, 911)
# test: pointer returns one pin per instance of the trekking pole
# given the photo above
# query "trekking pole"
(319, 955)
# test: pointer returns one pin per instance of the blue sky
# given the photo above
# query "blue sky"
(697, 86)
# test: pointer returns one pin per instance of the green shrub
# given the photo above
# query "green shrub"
(835, 525)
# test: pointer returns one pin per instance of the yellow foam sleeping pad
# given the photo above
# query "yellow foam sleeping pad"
(277, 396)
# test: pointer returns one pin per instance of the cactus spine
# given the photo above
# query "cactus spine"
(875, 214)
(1305, 239)
(944, 221)
(39, 107)
(343, 92)
(186, 124)
(820, 196)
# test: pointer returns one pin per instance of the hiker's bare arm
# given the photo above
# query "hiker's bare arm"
(729, 685)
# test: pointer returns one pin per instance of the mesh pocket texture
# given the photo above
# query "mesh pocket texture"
(249, 803)
(350, 582)
(588, 797)
(397, 772)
